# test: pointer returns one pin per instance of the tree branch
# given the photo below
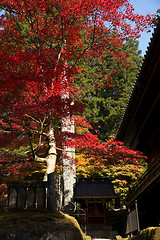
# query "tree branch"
(35, 120)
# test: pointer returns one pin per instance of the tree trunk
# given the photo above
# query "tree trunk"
(52, 154)
(69, 169)
(68, 154)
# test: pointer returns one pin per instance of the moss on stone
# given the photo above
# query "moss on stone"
(120, 238)
(147, 234)
(39, 223)
(151, 233)
(76, 225)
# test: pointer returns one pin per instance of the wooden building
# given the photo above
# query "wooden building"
(93, 195)
(140, 129)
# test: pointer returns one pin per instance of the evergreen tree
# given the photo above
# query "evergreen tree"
(105, 104)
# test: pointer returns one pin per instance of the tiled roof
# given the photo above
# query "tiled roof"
(94, 188)
(139, 84)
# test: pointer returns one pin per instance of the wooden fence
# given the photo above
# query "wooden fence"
(133, 220)
(36, 195)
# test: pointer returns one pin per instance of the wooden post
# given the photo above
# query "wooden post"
(138, 226)
(53, 192)
(104, 213)
(129, 222)
(87, 213)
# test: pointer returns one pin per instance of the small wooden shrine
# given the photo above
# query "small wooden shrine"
(93, 194)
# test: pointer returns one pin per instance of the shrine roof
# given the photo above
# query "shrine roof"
(142, 109)
(94, 188)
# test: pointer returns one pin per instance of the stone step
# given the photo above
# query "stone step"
(98, 227)
(102, 239)
(102, 234)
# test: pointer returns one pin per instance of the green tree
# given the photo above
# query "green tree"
(105, 104)
(123, 175)
(104, 107)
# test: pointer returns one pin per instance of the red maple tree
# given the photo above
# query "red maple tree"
(42, 42)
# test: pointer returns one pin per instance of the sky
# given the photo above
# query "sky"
(145, 7)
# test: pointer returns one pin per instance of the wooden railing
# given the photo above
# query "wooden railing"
(145, 180)
(35, 195)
